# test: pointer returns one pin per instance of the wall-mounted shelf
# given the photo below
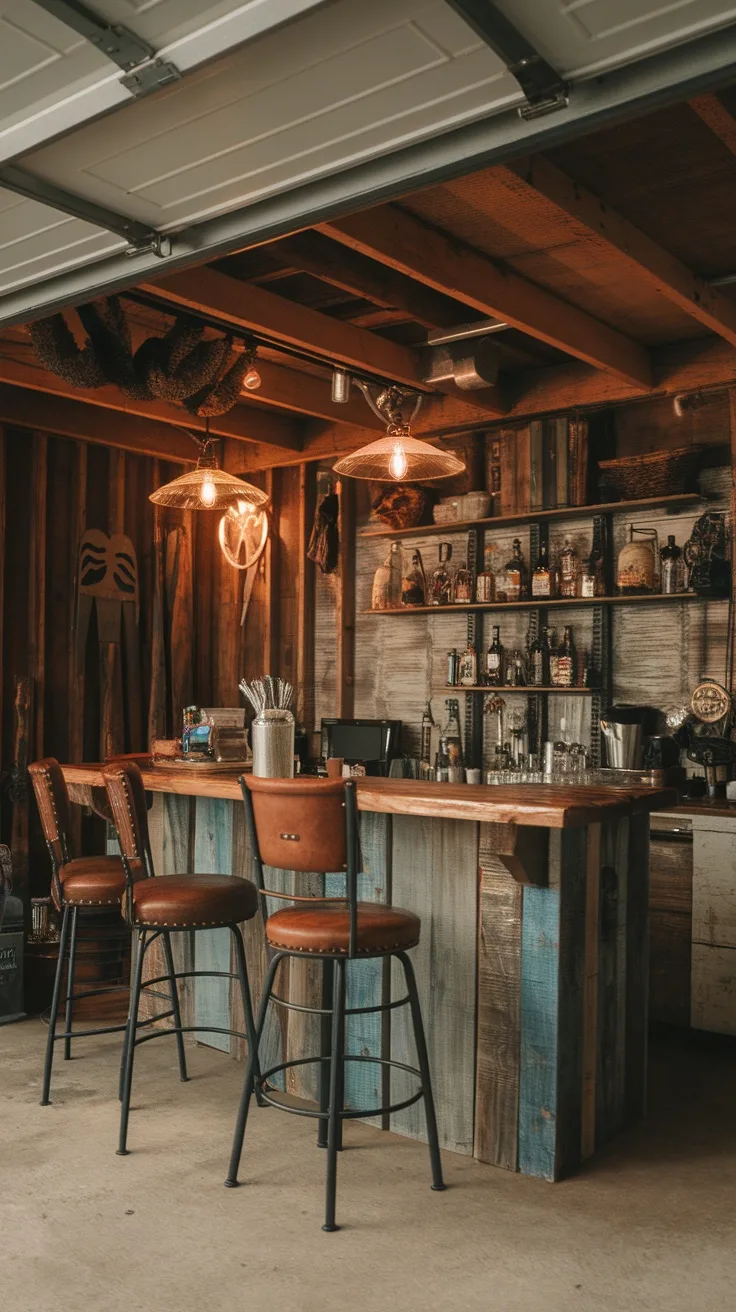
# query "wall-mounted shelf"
(545, 603)
(524, 690)
(673, 502)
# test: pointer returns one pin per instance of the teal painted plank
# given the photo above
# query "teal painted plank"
(540, 933)
(572, 882)
(212, 855)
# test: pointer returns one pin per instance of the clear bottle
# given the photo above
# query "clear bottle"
(386, 593)
(440, 586)
(552, 656)
(539, 661)
(516, 671)
(485, 585)
(468, 668)
(565, 668)
(517, 575)
(671, 572)
(426, 735)
(494, 660)
(414, 583)
(542, 575)
(568, 567)
(451, 743)
(453, 662)
(462, 587)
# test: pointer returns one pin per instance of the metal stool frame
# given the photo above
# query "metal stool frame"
(332, 1112)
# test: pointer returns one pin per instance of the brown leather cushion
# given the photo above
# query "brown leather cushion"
(94, 881)
(191, 901)
(325, 929)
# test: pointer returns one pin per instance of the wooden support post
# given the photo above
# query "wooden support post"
(116, 492)
(75, 667)
(305, 601)
(590, 996)
(345, 692)
(271, 575)
(37, 588)
(21, 758)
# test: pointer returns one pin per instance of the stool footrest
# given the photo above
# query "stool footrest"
(349, 1011)
(345, 1113)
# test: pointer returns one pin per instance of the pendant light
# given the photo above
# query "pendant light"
(398, 455)
(207, 487)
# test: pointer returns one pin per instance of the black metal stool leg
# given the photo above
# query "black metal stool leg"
(250, 1025)
(130, 1042)
(63, 940)
(70, 986)
(421, 1046)
(169, 959)
(325, 1026)
(336, 1085)
(252, 1067)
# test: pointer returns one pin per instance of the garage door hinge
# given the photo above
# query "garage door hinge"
(157, 245)
(150, 77)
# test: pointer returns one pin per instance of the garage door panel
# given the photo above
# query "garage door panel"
(36, 241)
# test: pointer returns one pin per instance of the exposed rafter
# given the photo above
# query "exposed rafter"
(720, 120)
(663, 271)
(402, 242)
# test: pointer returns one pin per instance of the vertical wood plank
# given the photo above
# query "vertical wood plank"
(424, 851)
(612, 981)
(37, 588)
(540, 938)
(590, 1008)
(499, 982)
(213, 855)
(74, 666)
(271, 577)
(637, 968)
(345, 699)
(116, 492)
(568, 870)
(305, 600)
(179, 599)
(2, 578)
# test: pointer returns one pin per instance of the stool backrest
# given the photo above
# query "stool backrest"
(127, 796)
(306, 825)
(52, 798)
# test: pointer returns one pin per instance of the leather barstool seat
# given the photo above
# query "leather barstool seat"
(92, 881)
(193, 901)
(325, 931)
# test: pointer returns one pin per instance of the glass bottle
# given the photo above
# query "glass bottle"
(636, 567)
(568, 566)
(485, 585)
(494, 659)
(517, 575)
(542, 575)
(451, 744)
(670, 558)
(453, 661)
(414, 583)
(426, 735)
(386, 593)
(462, 588)
(440, 586)
(565, 671)
(539, 661)
(516, 673)
(552, 656)
(468, 670)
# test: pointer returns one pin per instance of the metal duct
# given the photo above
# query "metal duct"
(471, 365)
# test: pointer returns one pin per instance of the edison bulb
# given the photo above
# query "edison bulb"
(252, 380)
(208, 492)
(398, 464)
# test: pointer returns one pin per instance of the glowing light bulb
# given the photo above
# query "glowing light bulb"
(252, 380)
(398, 463)
(208, 491)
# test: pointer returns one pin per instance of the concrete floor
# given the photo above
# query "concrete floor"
(648, 1226)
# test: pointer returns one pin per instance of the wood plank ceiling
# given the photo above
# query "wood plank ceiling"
(600, 257)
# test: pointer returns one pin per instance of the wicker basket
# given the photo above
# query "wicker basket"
(659, 473)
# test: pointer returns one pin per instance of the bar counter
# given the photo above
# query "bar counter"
(532, 967)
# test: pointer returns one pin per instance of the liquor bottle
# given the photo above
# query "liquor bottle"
(542, 575)
(517, 575)
(552, 656)
(451, 744)
(453, 661)
(516, 673)
(494, 659)
(670, 558)
(565, 671)
(414, 583)
(386, 592)
(440, 586)
(539, 661)
(568, 565)
(468, 668)
(485, 583)
(426, 735)
(592, 579)
(462, 587)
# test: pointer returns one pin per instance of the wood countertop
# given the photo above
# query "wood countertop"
(548, 806)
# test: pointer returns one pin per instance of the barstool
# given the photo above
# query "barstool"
(154, 906)
(77, 884)
(308, 826)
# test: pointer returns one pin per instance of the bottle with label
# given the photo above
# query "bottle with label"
(485, 585)
(568, 566)
(462, 588)
(453, 662)
(539, 660)
(637, 562)
(440, 586)
(565, 668)
(414, 583)
(451, 745)
(517, 575)
(426, 735)
(494, 659)
(386, 592)
(542, 575)
(468, 668)
(671, 573)
(516, 671)
(552, 656)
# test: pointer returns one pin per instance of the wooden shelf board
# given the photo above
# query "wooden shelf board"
(674, 501)
(514, 687)
(542, 604)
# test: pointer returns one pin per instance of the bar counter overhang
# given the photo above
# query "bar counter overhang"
(532, 965)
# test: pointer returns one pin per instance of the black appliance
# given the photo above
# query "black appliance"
(373, 743)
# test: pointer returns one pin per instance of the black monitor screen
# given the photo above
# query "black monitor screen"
(357, 742)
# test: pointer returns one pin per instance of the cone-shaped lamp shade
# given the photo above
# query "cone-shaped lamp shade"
(399, 456)
(207, 488)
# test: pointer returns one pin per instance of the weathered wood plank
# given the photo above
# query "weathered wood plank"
(539, 1032)
(590, 1005)
(610, 1066)
(37, 588)
(212, 855)
(637, 969)
(568, 871)
(499, 986)
(345, 617)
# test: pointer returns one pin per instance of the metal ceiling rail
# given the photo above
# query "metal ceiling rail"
(662, 79)
(144, 72)
(544, 88)
(139, 237)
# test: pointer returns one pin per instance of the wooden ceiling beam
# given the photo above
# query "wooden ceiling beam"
(245, 423)
(720, 120)
(408, 246)
(664, 272)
